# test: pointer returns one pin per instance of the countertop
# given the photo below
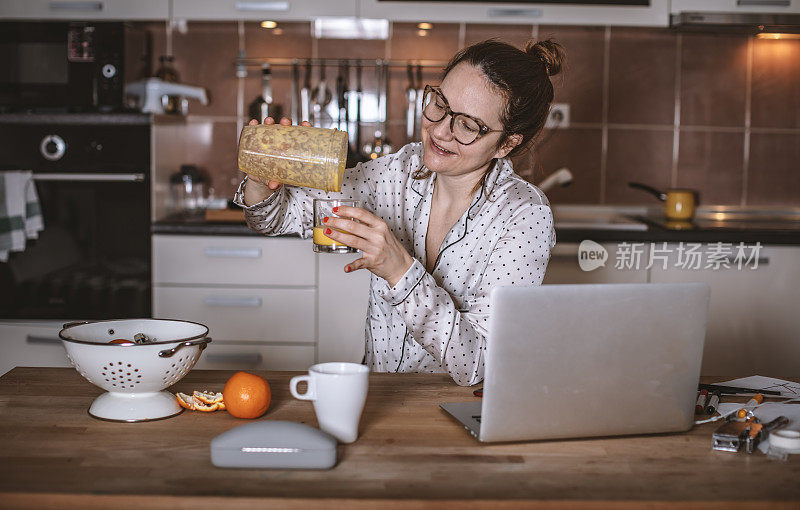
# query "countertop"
(409, 452)
(600, 223)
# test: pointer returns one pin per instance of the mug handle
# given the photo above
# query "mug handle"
(309, 394)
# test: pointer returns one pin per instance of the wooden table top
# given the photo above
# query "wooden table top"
(409, 453)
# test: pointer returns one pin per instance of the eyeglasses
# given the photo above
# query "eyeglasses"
(465, 129)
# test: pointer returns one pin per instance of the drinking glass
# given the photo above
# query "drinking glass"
(323, 208)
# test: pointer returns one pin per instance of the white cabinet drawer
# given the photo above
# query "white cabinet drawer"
(261, 10)
(27, 345)
(84, 9)
(563, 267)
(265, 315)
(243, 356)
(232, 260)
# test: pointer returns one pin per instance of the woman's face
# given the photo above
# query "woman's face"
(466, 90)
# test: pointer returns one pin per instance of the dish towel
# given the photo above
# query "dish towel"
(20, 214)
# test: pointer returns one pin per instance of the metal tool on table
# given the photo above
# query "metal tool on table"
(320, 99)
(732, 435)
(733, 390)
(305, 94)
(411, 97)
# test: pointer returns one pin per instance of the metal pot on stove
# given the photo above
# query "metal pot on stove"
(679, 203)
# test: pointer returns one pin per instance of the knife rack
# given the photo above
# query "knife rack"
(344, 121)
(258, 62)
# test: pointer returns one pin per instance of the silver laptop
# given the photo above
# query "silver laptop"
(568, 361)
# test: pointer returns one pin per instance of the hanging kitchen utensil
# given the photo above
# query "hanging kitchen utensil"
(679, 204)
(346, 67)
(411, 97)
(320, 99)
(387, 145)
(418, 110)
(295, 93)
(368, 149)
(259, 108)
(341, 100)
(379, 146)
(356, 155)
(305, 94)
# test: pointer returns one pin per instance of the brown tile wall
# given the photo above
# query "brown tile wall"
(719, 113)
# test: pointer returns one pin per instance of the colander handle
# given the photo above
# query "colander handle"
(167, 353)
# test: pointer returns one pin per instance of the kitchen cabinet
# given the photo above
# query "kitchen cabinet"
(255, 356)
(269, 302)
(258, 10)
(728, 6)
(753, 322)
(563, 267)
(233, 260)
(28, 344)
(249, 314)
(85, 10)
(342, 308)
(655, 14)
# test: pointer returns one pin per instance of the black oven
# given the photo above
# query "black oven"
(61, 66)
(92, 175)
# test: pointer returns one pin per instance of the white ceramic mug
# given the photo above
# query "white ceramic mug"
(338, 391)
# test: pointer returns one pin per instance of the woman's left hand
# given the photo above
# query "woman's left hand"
(381, 252)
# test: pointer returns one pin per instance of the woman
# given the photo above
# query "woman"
(445, 220)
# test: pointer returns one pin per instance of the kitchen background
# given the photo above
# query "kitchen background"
(707, 110)
(716, 112)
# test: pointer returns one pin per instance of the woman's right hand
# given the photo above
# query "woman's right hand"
(255, 189)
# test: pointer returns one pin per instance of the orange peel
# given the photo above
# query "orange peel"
(207, 397)
(203, 401)
(185, 401)
(205, 408)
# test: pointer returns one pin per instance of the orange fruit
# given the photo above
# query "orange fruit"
(246, 395)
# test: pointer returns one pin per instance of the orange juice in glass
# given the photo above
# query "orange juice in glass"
(324, 208)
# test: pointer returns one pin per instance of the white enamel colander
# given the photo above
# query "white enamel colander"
(134, 376)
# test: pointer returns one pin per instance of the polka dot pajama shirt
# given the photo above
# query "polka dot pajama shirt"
(437, 321)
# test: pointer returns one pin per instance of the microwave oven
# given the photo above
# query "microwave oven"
(61, 66)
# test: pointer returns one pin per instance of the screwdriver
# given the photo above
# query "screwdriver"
(748, 407)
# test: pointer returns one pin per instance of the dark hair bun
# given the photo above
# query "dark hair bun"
(549, 52)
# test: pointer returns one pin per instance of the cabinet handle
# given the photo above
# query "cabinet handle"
(261, 6)
(763, 3)
(93, 177)
(516, 13)
(76, 6)
(253, 359)
(42, 340)
(239, 253)
(233, 301)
